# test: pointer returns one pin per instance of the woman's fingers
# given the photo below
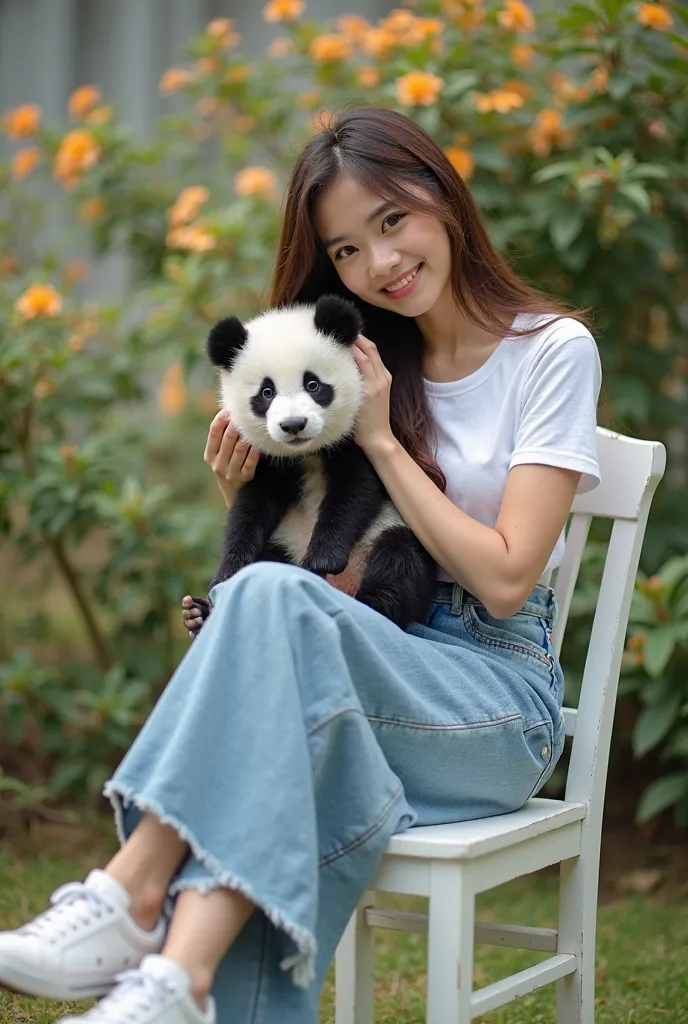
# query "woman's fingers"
(216, 433)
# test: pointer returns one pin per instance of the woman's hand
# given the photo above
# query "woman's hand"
(232, 460)
(372, 429)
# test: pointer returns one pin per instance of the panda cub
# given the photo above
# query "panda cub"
(292, 388)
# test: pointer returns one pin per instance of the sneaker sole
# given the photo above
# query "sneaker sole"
(14, 979)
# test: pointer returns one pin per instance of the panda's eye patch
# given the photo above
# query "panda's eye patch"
(260, 403)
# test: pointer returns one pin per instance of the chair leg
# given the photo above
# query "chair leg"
(355, 969)
(450, 945)
(577, 926)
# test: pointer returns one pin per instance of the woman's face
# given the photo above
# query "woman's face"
(385, 254)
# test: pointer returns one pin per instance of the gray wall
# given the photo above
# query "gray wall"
(49, 47)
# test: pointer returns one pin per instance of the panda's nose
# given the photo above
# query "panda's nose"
(294, 424)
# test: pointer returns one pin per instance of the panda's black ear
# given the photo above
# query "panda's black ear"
(339, 318)
(225, 340)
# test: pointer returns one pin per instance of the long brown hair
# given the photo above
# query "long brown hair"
(392, 156)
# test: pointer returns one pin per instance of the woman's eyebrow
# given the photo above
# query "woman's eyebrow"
(376, 213)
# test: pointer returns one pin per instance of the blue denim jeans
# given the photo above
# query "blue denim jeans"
(302, 730)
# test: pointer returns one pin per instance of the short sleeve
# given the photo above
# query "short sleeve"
(558, 421)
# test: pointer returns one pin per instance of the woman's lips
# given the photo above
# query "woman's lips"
(403, 292)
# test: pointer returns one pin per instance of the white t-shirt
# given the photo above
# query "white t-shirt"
(533, 401)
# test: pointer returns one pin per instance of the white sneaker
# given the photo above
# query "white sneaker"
(76, 949)
(157, 993)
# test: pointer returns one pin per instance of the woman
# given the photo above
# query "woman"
(302, 729)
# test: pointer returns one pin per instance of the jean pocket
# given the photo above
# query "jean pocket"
(521, 634)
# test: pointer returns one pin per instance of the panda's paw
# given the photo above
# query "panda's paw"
(195, 610)
(325, 563)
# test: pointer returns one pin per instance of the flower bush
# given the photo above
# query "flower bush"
(572, 129)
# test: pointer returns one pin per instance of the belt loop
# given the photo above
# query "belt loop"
(457, 599)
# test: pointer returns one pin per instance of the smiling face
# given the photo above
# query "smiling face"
(384, 253)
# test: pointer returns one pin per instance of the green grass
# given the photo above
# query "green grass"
(642, 949)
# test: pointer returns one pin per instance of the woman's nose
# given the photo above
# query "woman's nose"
(383, 264)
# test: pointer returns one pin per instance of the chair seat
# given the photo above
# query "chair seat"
(464, 840)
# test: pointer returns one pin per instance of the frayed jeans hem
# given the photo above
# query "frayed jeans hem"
(302, 963)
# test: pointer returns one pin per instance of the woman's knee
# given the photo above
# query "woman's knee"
(262, 578)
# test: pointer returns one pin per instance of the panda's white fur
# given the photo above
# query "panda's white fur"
(283, 343)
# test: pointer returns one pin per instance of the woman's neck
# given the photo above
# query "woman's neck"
(454, 346)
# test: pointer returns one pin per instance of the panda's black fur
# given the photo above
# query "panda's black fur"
(292, 388)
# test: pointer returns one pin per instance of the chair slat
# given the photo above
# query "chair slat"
(567, 573)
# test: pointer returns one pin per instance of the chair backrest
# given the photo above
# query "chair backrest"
(630, 471)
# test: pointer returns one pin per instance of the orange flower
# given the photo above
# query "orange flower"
(244, 123)
(255, 181)
(91, 210)
(76, 343)
(522, 55)
(548, 131)
(22, 122)
(311, 98)
(25, 161)
(78, 152)
(328, 48)
(429, 26)
(222, 31)
(192, 238)
(654, 16)
(39, 300)
(418, 88)
(187, 205)
(354, 26)
(520, 88)
(173, 80)
(321, 121)
(8, 264)
(99, 116)
(599, 79)
(461, 160)
(368, 77)
(517, 16)
(280, 48)
(82, 101)
(172, 394)
(378, 42)
(239, 73)
(75, 271)
(283, 10)
(208, 65)
(499, 100)
(43, 388)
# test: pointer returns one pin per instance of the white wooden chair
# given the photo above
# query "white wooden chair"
(450, 864)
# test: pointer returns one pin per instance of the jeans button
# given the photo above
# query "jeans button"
(544, 753)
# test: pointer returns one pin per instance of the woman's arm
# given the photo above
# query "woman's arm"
(500, 565)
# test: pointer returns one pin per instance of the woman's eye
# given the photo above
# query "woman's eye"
(393, 219)
(312, 385)
(266, 393)
(343, 253)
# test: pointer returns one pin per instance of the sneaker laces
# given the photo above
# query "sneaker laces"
(73, 904)
(138, 990)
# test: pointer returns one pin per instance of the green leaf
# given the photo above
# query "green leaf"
(566, 227)
(661, 794)
(654, 722)
(636, 194)
(659, 647)
(558, 170)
